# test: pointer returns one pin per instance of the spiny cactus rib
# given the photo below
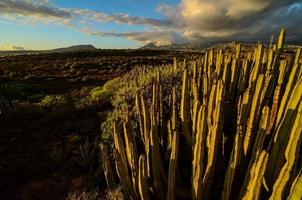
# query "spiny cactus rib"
(258, 145)
(175, 65)
(184, 114)
(257, 172)
(195, 89)
(131, 152)
(281, 38)
(123, 176)
(157, 168)
(289, 87)
(172, 167)
(296, 189)
(119, 146)
(138, 106)
(107, 167)
(198, 154)
(281, 137)
(210, 64)
(213, 139)
(277, 96)
(291, 152)
(147, 128)
(256, 68)
(195, 117)
(252, 118)
(235, 157)
(142, 179)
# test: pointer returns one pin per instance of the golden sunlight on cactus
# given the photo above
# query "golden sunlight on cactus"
(230, 130)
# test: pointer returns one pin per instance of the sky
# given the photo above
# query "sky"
(49, 24)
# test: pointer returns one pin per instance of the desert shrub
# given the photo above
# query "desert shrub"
(91, 98)
(100, 94)
(115, 194)
(88, 157)
(83, 195)
(53, 101)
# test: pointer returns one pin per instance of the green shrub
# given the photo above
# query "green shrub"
(83, 195)
(115, 194)
(99, 93)
(53, 101)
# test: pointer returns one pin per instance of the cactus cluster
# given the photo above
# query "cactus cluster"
(233, 132)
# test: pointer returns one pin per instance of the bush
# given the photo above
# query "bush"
(53, 101)
(82, 195)
(116, 194)
(100, 94)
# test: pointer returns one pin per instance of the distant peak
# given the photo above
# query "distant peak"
(11, 48)
(150, 45)
(75, 48)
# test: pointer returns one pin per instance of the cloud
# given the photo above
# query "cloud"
(158, 37)
(32, 8)
(120, 18)
(233, 19)
(11, 48)
(190, 20)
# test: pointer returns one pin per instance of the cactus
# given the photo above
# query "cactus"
(131, 152)
(147, 128)
(175, 64)
(119, 146)
(172, 167)
(195, 88)
(296, 189)
(138, 106)
(289, 87)
(281, 39)
(155, 159)
(123, 176)
(281, 137)
(252, 117)
(107, 167)
(142, 179)
(291, 151)
(235, 131)
(198, 154)
(257, 173)
(258, 146)
(184, 114)
(214, 138)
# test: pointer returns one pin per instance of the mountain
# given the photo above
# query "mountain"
(11, 48)
(149, 46)
(74, 48)
(59, 50)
